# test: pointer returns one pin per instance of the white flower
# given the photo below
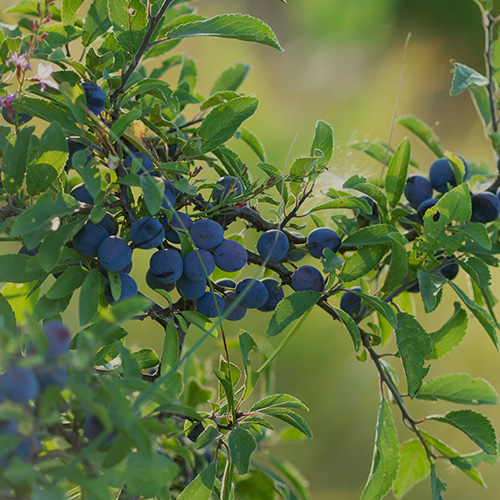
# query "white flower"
(43, 75)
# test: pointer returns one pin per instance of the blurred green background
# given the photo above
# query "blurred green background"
(342, 63)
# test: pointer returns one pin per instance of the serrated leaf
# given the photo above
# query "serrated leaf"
(238, 26)
(290, 417)
(397, 172)
(344, 202)
(331, 261)
(370, 235)
(477, 232)
(476, 426)
(430, 289)
(414, 345)
(437, 486)
(351, 326)
(129, 19)
(13, 269)
(46, 208)
(279, 401)
(90, 297)
(450, 334)
(477, 269)
(360, 184)
(242, 445)
(398, 267)
(423, 132)
(7, 315)
(200, 488)
(323, 141)
(153, 191)
(96, 22)
(481, 314)
(465, 77)
(69, 10)
(254, 142)
(121, 125)
(385, 464)
(224, 120)
(231, 78)
(414, 467)
(67, 283)
(459, 388)
(362, 262)
(290, 309)
(380, 306)
(155, 87)
(15, 160)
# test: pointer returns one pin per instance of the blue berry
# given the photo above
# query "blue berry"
(253, 293)
(275, 294)
(321, 238)
(147, 232)
(273, 244)
(114, 254)
(230, 256)
(206, 234)
(210, 304)
(166, 265)
(95, 96)
(307, 278)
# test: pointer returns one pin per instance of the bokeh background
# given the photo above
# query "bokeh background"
(342, 63)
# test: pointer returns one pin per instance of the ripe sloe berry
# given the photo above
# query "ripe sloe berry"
(417, 189)
(58, 337)
(207, 234)
(441, 174)
(273, 244)
(114, 254)
(253, 293)
(147, 232)
(321, 238)
(230, 188)
(95, 96)
(180, 222)
(307, 278)
(485, 207)
(128, 288)
(166, 265)
(88, 240)
(230, 256)
(236, 312)
(198, 265)
(351, 303)
(20, 384)
(189, 289)
(275, 294)
(210, 304)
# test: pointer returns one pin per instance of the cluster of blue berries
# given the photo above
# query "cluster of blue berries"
(419, 193)
(24, 383)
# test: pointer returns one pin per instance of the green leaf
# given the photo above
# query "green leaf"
(398, 267)
(208, 436)
(13, 269)
(465, 77)
(147, 358)
(330, 260)
(153, 191)
(430, 289)
(219, 98)
(170, 347)
(247, 345)
(344, 202)
(155, 87)
(477, 232)
(45, 307)
(7, 316)
(454, 206)
(323, 141)
(477, 269)
(238, 26)
(47, 207)
(290, 309)
(360, 184)
(437, 486)
(51, 112)
(67, 283)
(90, 293)
(415, 467)
(54, 242)
(370, 235)
(231, 78)
(397, 172)
(385, 464)
(481, 314)
(292, 474)
(242, 445)
(290, 417)
(118, 128)
(481, 101)
(69, 10)
(254, 142)
(450, 334)
(129, 19)
(15, 160)
(414, 345)
(224, 120)
(351, 326)
(423, 132)
(476, 426)
(96, 22)
(279, 401)
(362, 262)
(379, 305)
(459, 388)
(39, 177)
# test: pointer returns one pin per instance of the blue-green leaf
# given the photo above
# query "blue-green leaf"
(465, 77)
